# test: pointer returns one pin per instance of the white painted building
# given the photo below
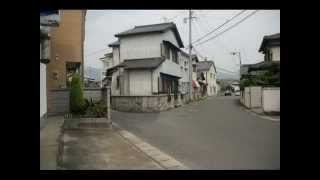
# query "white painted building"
(44, 59)
(107, 62)
(207, 75)
(270, 47)
(147, 60)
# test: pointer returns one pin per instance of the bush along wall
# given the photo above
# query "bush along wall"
(77, 102)
(270, 77)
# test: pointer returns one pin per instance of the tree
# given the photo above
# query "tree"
(77, 102)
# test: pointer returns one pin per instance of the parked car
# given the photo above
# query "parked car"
(227, 93)
(237, 93)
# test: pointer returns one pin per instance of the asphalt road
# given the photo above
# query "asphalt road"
(212, 134)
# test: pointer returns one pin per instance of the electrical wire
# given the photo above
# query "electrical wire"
(234, 25)
(229, 20)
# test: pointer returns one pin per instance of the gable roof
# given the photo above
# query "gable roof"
(114, 44)
(270, 40)
(153, 28)
(195, 57)
(144, 63)
(205, 66)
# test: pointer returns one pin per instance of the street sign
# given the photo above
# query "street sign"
(49, 17)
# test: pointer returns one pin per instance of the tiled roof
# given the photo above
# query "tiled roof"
(273, 39)
(204, 65)
(145, 63)
(116, 43)
(151, 29)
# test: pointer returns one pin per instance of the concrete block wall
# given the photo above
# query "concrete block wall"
(59, 99)
(271, 99)
(252, 97)
(155, 103)
(59, 102)
(255, 96)
(267, 98)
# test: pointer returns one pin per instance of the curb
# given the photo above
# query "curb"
(261, 116)
(165, 161)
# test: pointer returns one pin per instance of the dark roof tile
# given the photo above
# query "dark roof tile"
(151, 29)
(204, 65)
(145, 63)
(114, 44)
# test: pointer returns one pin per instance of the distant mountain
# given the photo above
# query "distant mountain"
(222, 75)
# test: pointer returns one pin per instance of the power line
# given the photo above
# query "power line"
(197, 52)
(219, 26)
(228, 28)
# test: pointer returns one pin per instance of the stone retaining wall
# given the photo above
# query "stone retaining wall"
(155, 103)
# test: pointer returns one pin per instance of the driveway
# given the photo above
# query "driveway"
(212, 134)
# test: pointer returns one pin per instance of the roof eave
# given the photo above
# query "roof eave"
(138, 33)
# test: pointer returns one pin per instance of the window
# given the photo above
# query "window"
(211, 75)
(174, 56)
(185, 63)
(194, 69)
(167, 52)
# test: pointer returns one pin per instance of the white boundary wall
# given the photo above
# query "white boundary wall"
(255, 96)
(271, 99)
(43, 90)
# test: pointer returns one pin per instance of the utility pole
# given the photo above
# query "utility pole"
(239, 55)
(190, 51)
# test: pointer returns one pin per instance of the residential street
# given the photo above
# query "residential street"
(212, 134)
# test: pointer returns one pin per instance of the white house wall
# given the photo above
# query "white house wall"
(140, 82)
(144, 45)
(169, 36)
(211, 81)
(171, 68)
(140, 46)
(184, 74)
(116, 56)
(144, 82)
(43, 89)
(275, 53)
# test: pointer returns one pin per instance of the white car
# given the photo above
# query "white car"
(237, 93)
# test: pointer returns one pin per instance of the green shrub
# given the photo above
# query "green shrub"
(98, 109)
(77, 102)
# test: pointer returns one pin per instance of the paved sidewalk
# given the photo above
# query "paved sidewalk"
(49, 143)
(102, 149)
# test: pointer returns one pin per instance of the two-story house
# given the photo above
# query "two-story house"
(107, 62)
(146, 61)
(270, 47)
(206, 73)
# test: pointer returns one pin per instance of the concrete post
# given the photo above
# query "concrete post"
(106, 96)
(108, 105)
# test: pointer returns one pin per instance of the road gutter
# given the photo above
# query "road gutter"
(165, 161)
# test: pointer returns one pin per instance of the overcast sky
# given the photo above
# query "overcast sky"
(102, 25)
